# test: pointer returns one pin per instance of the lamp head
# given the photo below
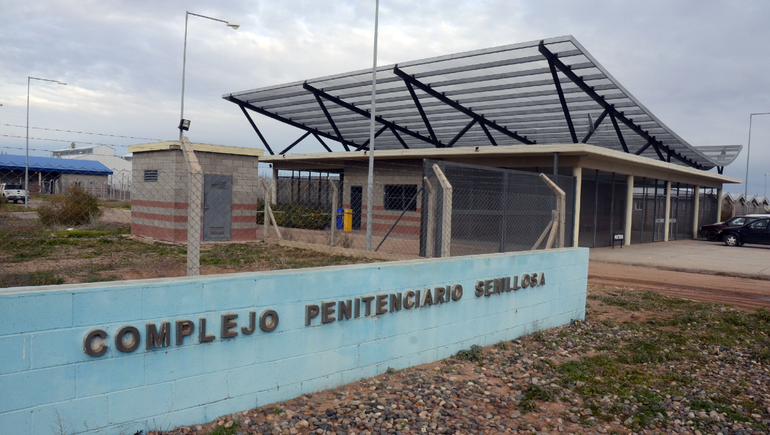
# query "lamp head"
(61, 83)
(233, 26)
(184, 124)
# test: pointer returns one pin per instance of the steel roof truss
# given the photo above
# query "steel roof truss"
(462, 132)
(365, 145)
(430, 91)
(254, 126)
(644, 148)
(489, 135)
(288, 121)
(422, 112)
(592, 128)
(617, 130)
(329, 118)
(398, 136)
(563, 101)
(323, 144)
(367, 114)
(567, 71)
(293, 144)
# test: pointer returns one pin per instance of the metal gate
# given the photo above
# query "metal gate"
(217, 207)
(660, 218)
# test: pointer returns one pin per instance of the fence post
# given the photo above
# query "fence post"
(554, 230)
(274, 191)
(269, 211)
(194, 206)
(430, 243)
(561, 205)
(266, 215)
(446, 212)
(334, 211)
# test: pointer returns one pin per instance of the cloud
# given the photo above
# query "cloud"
(699, 66)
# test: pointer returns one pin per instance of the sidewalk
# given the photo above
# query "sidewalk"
(750, 261)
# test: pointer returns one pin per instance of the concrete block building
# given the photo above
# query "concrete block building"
(160, 188)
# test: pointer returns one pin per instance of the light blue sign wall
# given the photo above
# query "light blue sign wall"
(45, 371)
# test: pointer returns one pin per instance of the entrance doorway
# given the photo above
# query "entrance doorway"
(356, 202)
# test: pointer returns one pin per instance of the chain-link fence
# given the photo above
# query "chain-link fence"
(495, 210)
(208, 211)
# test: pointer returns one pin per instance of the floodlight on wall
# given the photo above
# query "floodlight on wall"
(184, 125)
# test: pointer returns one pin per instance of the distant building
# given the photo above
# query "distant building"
(50, 175)
(736, 204)
(119, 165)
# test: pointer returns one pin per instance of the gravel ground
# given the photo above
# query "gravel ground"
(640, 363)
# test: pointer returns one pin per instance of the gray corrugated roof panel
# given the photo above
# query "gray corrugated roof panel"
(50, 164)
(506, 94)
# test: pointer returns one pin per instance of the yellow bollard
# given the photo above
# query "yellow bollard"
(347, 221)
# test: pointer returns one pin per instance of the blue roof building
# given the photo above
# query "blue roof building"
(9, 162)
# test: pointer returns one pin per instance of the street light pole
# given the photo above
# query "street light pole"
(748, 154)
(184, 56)
(370, 180)
(26, 158)
(765, 195)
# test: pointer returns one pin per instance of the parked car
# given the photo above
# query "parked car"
(13, 192)
(757, 231)
(712, 232)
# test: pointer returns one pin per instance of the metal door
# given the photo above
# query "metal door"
(217, 207)
(356, 202)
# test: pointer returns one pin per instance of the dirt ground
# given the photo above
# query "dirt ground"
(737, 291)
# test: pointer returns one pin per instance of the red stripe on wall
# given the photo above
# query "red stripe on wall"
(244, 206)
(159, 204)
(249, 219)
(158, 217)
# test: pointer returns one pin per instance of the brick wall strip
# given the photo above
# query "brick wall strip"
(158, 204)
(158, 217)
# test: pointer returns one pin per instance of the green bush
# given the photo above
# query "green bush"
(75, 207)
(297, 216)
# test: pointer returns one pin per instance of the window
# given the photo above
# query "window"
(637, 205)
(400, 197)
(151, 176)
(758, 224)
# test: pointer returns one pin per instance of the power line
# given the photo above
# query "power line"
(62, 140)
(82, 132)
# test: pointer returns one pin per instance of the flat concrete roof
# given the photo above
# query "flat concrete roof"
(582, 155)
(200, 147)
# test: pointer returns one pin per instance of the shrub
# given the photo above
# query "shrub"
(297, 216)
(75, 207)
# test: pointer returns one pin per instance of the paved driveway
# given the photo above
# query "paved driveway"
(692, 255)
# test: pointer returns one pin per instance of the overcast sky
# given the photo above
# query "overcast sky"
(700, 66)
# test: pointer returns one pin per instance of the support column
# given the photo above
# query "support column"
(667, 216)
(629, 209)
(719, 204)
(577, 172)
(696, 209)
(274, 188)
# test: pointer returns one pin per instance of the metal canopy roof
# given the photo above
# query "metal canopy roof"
(540, 92)
(49, 164)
